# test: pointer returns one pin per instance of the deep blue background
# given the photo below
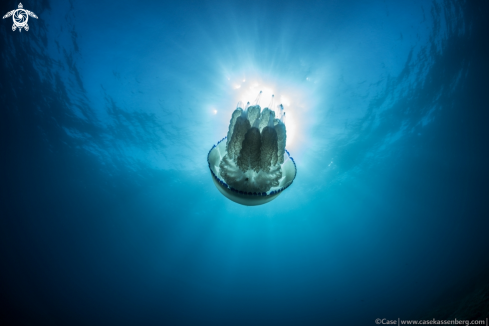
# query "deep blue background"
(108, 212)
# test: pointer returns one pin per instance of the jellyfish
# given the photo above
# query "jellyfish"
(251, 166)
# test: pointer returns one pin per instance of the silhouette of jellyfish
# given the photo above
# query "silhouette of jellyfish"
(251, 165)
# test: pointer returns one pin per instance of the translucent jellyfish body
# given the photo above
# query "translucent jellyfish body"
(251, 165)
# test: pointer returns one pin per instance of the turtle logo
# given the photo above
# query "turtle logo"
(20, 17)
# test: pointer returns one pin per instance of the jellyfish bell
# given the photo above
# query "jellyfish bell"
(251, 166)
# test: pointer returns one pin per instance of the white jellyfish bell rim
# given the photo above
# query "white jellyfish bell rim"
(214, 158)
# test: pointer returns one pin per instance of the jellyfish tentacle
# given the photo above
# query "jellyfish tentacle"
(268, 148)
(249, 157)
(271, 102)
(281, 112)
(265, 116)
(237, 113)
(281, 140)
(241, 127)
(257, 100)
(254, 114)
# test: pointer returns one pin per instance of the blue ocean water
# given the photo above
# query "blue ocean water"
(109, 215)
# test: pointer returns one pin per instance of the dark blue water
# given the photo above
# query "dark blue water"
(108, 211)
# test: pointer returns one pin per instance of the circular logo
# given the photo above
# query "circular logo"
(20, 17)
